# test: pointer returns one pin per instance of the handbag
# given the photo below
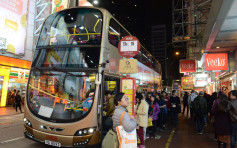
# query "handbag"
(149, 122)
(126, 139)
(110, 140)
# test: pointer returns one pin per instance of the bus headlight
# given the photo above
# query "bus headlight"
(85, 131)
(27, 122)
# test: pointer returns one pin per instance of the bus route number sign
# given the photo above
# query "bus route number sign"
(129, 46)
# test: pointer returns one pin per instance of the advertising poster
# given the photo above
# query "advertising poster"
(58, 5)
(13, 22)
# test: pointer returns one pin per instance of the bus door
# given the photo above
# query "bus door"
(111, 87)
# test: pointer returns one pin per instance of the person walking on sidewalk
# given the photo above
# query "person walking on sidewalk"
(18, 101)
(190, 102)
(200, 109)
(185, 102)
(232, 108)
(222, 120)
(13, 95)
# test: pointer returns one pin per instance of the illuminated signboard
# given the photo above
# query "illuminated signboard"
(201, 80)
(187, 66)
(187, 82)
(216, 62)
(13, 22)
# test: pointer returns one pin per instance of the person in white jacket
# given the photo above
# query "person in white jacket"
(141, 117)
(190, 100)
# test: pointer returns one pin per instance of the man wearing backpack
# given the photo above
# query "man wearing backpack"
(200, 109)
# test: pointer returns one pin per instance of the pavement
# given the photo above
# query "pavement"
(9, 110)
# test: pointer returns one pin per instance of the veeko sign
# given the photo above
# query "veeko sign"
(129, 46)
(215, 62)
(187, 66)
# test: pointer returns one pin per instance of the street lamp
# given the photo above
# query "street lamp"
(177, 53)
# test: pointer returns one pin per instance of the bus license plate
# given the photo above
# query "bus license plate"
(48, 142)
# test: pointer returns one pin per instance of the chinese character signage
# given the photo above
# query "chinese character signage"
(187, 82)
(216, 62)
(187, 66)
(129, 46)
(13, 22)
(201, 80)
(128, 86)
(128, 66)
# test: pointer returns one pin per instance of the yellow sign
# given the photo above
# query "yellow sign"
(127, 66)
(5, 72)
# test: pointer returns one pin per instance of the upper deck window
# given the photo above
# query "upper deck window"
(116, 33)
(72, 26)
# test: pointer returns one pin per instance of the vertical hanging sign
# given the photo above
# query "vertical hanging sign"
(128, 86)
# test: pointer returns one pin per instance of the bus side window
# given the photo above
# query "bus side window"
(114, 33)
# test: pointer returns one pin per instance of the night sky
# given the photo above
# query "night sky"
(137, 16)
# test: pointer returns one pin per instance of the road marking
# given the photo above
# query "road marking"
(170, 138)
(12, 140)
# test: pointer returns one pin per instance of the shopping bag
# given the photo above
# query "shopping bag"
(149, 122)
(110, 140)
(126, 139)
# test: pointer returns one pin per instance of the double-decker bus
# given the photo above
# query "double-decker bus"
(75, 62)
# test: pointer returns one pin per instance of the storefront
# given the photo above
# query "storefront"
(14, 74)
(227, 82)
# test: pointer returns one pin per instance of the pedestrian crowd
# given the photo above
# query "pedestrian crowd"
(151, 113)
(219, 108)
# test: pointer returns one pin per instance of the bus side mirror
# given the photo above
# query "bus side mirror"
(98, 79)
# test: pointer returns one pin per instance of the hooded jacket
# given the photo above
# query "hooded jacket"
(191, 98)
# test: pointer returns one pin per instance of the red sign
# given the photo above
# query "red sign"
(216, 62)
(129, 46)
(187, 66)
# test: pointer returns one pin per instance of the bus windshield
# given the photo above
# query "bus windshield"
(70, 26)
(62, 83)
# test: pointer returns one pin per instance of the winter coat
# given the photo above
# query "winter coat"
(200, 106)
(142, 113)
(232, 109)
(154, 110)
(129, 124)
(222, 120)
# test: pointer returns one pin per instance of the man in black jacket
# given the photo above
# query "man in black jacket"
(200, 109)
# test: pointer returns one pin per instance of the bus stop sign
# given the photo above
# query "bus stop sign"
(129, 46)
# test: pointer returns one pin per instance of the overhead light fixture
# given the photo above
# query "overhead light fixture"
(217, 47)
(95, 2)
